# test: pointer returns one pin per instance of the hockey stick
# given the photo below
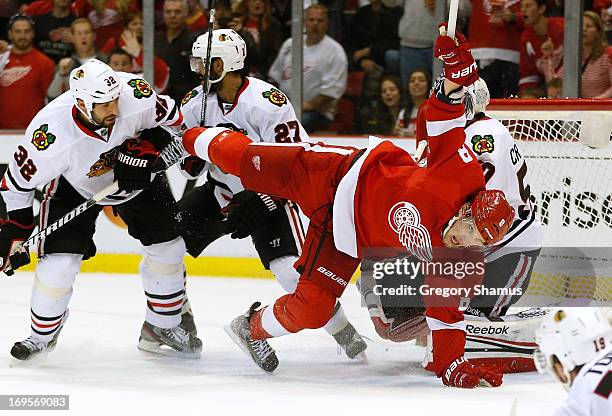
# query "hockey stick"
(419, 150)
(207, 65)
(452, 18)
(69, 216)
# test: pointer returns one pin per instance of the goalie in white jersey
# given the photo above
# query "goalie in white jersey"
(104, 129)
(264, 113)
(490, 338)
(575, 346)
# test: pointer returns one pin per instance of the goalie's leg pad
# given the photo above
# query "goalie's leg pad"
(55, 275)
(162, 272)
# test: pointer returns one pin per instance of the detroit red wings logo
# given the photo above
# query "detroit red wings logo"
(405, 220)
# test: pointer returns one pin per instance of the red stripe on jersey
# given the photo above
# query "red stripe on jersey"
(178, 121)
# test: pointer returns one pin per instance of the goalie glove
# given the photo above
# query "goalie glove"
(248, 211)
(135, 164)
(12, 234)
(461, 373)
(459, 65)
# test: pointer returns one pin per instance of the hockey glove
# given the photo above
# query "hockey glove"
(248, 212)
(459, 65)
(135, 164)
(192, 167)
(11, 235)
(461, 373)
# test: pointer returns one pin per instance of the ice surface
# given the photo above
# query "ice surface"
(96, 362)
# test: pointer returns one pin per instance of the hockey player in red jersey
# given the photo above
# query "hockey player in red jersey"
(359, 199)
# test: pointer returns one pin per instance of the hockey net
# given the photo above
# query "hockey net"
(566, 144)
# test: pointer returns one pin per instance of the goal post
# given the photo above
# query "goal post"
(566, 144)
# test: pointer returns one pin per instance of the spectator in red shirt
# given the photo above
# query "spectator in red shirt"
(544, 35)
(257, 20)
(596, 75)
(197, 18)
(131, 42)
(495, 35)
(107, 17)
(24, 77)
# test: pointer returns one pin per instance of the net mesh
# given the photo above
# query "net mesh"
(571, 187)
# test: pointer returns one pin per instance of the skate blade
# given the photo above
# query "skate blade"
(238, 342)
(155, 348)
(36, 361)
(361, 358)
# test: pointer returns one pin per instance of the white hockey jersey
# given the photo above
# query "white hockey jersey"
(505, 169)
(57, 143)
(260, 111)
(590, 391)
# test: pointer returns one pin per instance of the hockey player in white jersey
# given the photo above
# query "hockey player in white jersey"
(102, 130)
(575, 346)
(507, 343)
(264, 113)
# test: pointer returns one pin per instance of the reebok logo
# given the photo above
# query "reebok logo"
(130, 161)
(332, 276)
(464, 72)
(488, 330)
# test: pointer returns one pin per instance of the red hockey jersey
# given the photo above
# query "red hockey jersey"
(386, 200)
(530, 75)
(495, 40)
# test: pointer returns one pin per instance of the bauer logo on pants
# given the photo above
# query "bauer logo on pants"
(43, 138)
(405, 220)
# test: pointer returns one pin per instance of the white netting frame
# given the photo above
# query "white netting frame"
(567, 147)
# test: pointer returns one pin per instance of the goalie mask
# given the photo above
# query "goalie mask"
(94, 82)
(226, 45)
(569, 338)
(476, 99)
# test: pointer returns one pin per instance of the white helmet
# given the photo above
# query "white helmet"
(226, 45)
(94, 82)
(574, 336)
(476, 99)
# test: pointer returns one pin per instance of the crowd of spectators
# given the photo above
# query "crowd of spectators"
(367, 63)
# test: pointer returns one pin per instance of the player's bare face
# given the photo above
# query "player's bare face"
(21, 35)
(463, 233)
(417, 85)
(390, 93)
(105, 114)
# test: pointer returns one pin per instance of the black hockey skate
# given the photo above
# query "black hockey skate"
(30, 348)
(173, 342)
(351, 342)
(187, 321)
(239, 330)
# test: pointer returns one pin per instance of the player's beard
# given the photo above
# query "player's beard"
(108, 121)
(22, 44)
